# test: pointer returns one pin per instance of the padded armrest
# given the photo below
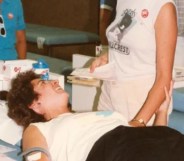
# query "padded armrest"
(58, 36)
(176, 121)
(14, 153)
(178, 99)
(56, 65)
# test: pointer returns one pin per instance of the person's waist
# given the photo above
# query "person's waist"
(131, 72)
(8, 51)
(124, 78)
(130, 81)
(7, 48)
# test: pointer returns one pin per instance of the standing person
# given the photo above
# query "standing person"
(142, 41)
(41, 107)
(12, 26)
(107, 15)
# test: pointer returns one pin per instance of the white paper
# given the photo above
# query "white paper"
(105, 72)
(12, 67)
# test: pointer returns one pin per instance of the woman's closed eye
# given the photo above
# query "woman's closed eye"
(41, 83)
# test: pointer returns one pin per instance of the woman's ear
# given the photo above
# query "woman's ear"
(35, 106)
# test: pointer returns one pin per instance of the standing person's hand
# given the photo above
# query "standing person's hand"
(99, 61)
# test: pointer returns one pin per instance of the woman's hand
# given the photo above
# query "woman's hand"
(161, 115)
(168, 94)
(99, 61)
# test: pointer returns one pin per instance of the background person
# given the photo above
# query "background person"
(12, 26)
(143, 54)
(107, 15)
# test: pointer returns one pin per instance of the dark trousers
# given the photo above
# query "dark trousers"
(139, 144)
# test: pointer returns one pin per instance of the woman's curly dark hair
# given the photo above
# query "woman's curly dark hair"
(20, 97)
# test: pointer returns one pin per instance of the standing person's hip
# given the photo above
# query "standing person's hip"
(125, 96)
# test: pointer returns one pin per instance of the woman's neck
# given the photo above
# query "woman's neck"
(53, 114)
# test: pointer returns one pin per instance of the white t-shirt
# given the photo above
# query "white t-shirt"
(70, 137)
(131, 38)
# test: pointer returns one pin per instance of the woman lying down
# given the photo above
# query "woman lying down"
(53, 132)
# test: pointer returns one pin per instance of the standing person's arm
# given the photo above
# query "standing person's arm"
(21, 44)
(105, 20)
(106, 16)
(166, 35)
(107, 10)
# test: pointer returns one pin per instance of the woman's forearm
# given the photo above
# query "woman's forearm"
(161, 119)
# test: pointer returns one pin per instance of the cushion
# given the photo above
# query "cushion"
(10, 152)
(176, 121)
(55, 65)
(58, 36)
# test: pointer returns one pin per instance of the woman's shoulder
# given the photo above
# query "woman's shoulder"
(31, 131)
(160, 3)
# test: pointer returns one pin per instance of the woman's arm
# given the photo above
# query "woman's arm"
(166, 35)
(32, 137)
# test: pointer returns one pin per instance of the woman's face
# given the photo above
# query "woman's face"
(51, 95)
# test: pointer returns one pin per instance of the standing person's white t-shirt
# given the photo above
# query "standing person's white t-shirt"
(131, 36)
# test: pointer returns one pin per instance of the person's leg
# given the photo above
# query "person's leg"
(140, 144)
